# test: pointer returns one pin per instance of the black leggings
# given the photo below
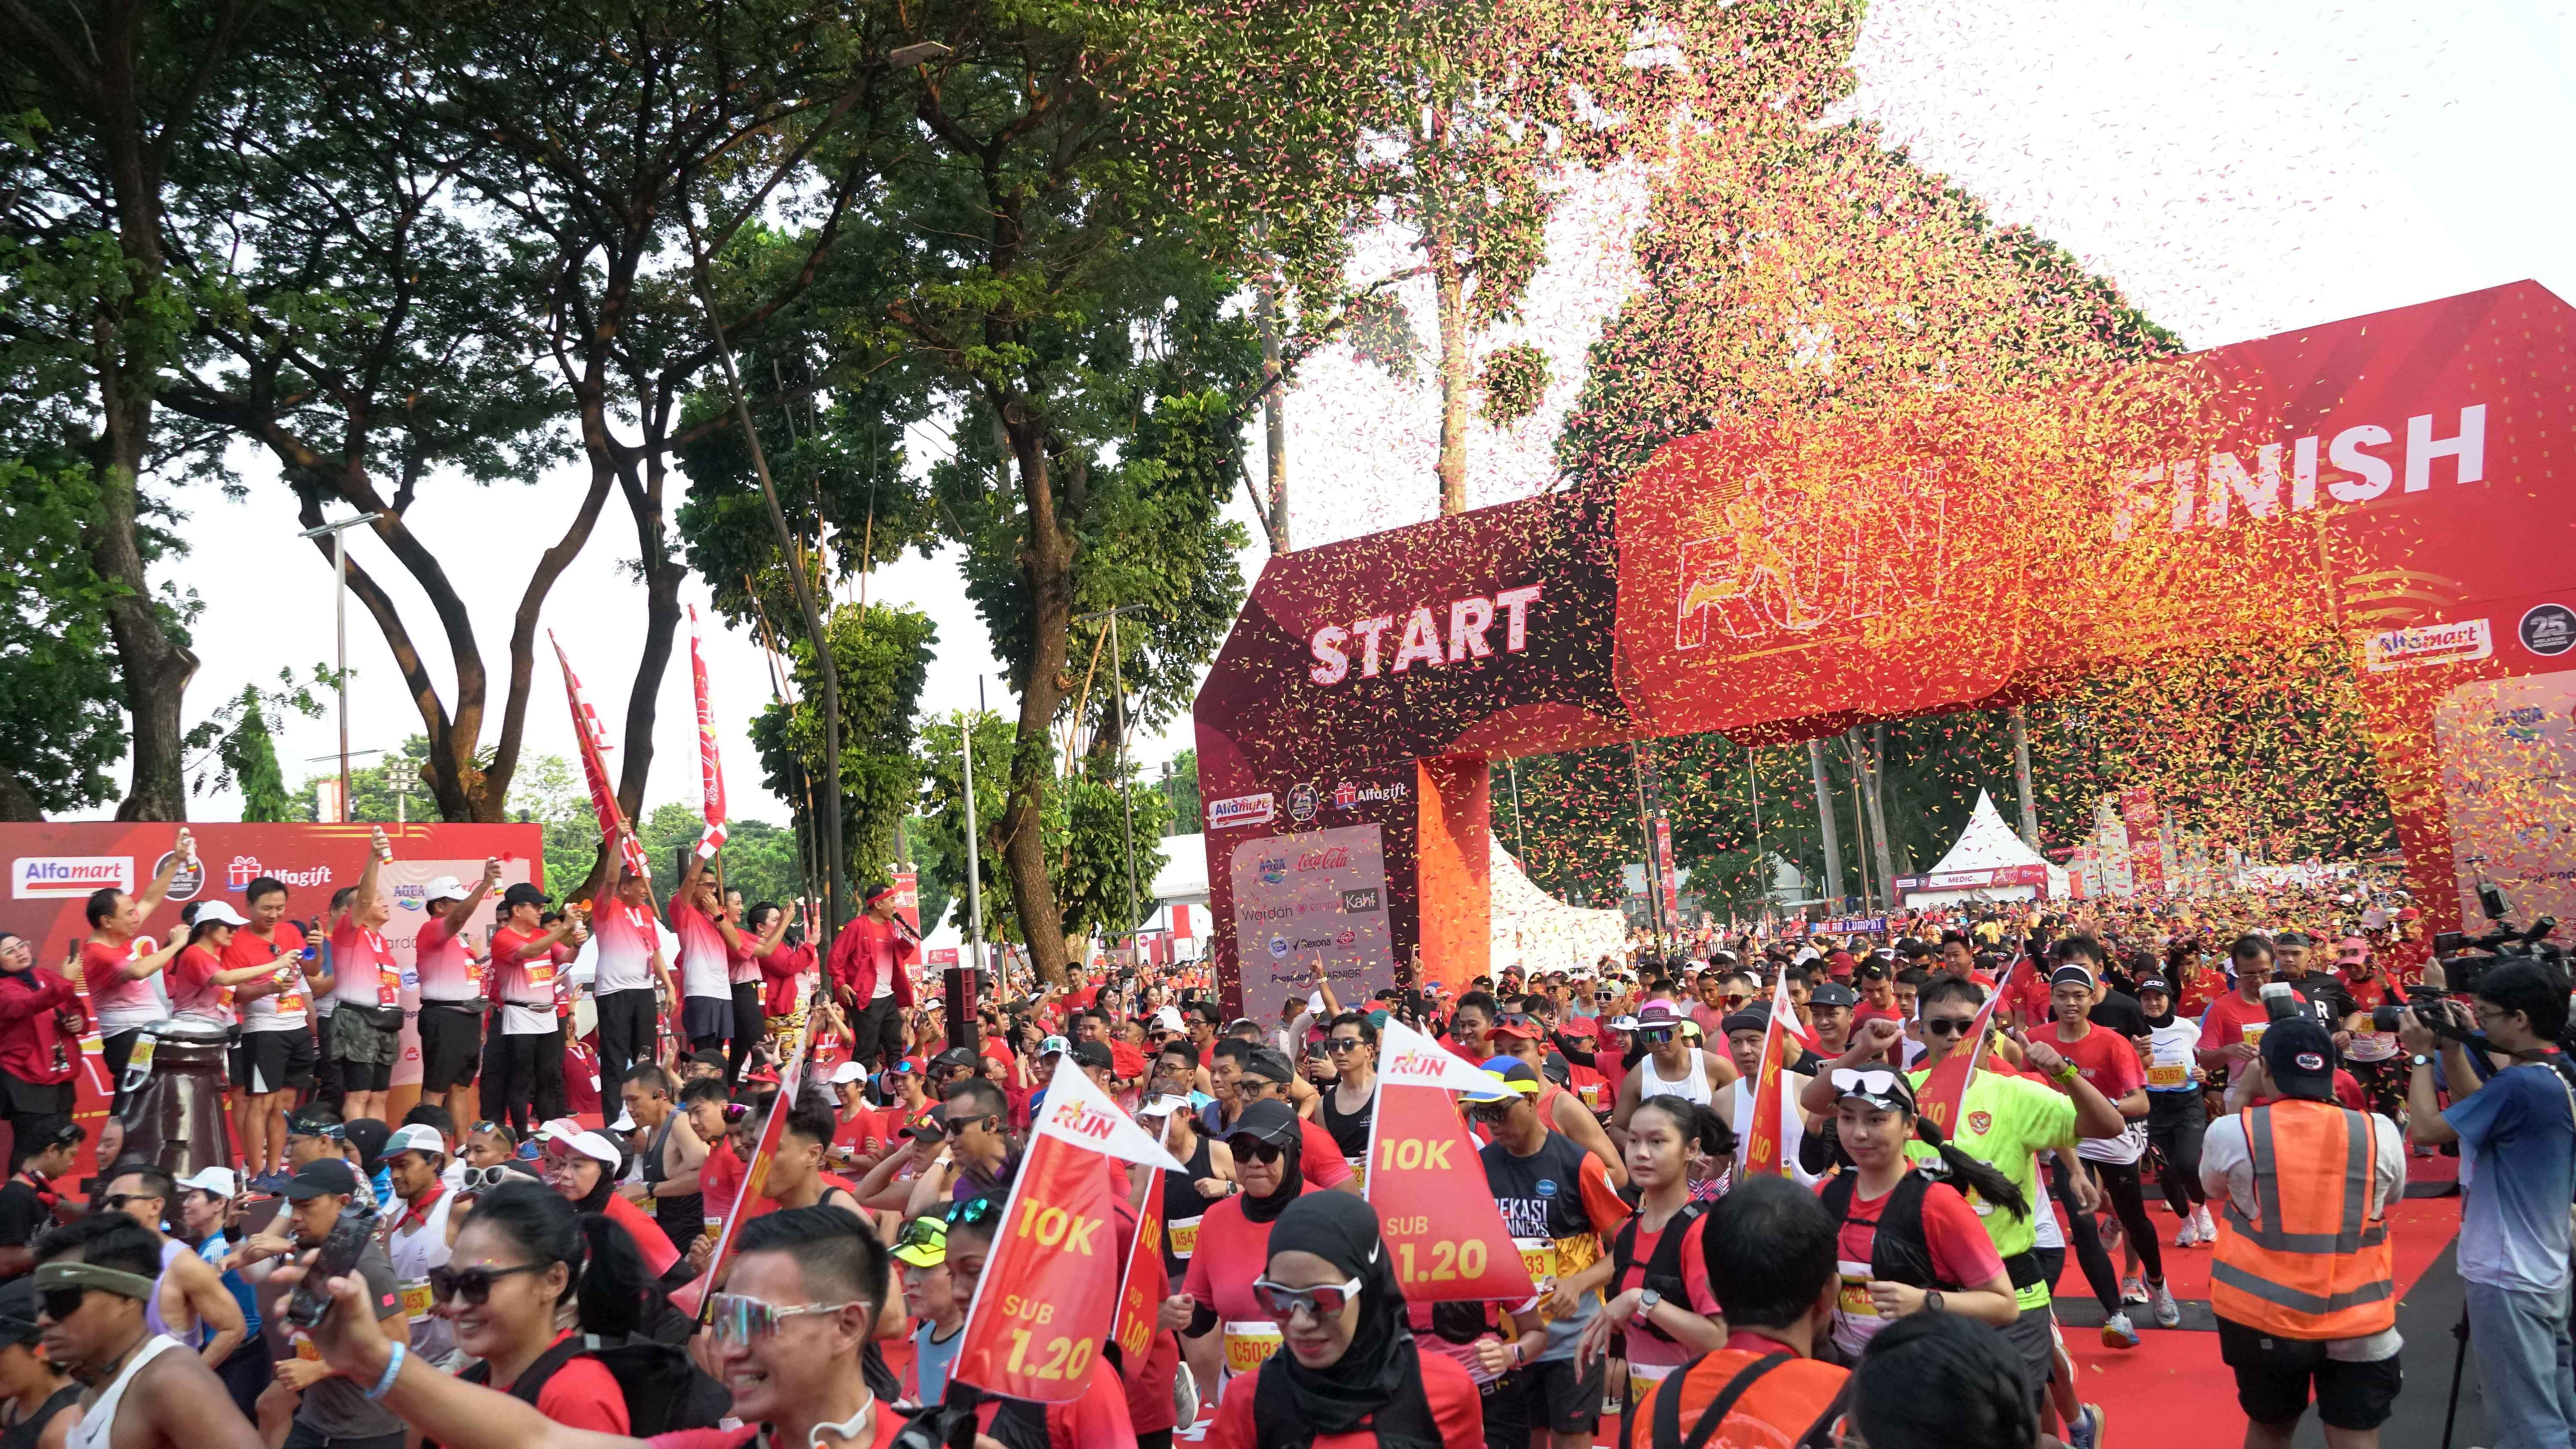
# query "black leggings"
(2175, 1123)
(2120, 1187)
(747, 1024)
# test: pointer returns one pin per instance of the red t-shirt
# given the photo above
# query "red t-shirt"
(191, 982)
(864, 1135)
(446, 967)
(510, 969)
(1098, 1418)
(720, 1177)
(778, 971)
(2405, 962)
(2225, 1022)
(2204, 990)
(1451, 1393)
(114, 1002)
(1961, 1251)
(1319, 1157)
(2105, 1058)
(362, 967)
(582, 1394)
(1228, 1238)
(2368, 994)
(881, 1432)
(1866, 1012)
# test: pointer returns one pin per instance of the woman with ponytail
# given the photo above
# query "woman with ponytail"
(1908, 1244)
(1655, 1274)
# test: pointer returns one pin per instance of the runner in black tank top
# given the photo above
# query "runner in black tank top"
(1181, 1199)
(26, 1432)
(1349, 1130)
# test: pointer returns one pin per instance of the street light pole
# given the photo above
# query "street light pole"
(1126, 795)
(974, 857)
(339, 535)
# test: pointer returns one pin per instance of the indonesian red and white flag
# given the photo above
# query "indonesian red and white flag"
(690, 1297)
(593, 739)
(710, 767)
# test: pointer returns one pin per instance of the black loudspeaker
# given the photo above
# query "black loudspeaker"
(960, 992)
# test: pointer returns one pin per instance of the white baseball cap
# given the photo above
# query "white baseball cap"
(216, 1180)
(1163, 1106)
(1169, 1019)
(848, 1072)
(418, 1137)
(443, 888)
(591, 1145)
(212, 912)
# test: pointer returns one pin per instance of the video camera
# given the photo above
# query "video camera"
(2464, 960)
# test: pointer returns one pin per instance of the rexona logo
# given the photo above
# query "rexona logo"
(1081, 1119)
(1471, 620)
(2413, 648)
(56, 877)
(1240, 810)
(247, 868)
(1331, 857)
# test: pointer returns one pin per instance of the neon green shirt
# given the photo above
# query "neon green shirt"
(2007, 1121)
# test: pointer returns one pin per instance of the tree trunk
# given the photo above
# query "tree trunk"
(1448, 279)
(1047, 565)
(1274, 418)
(17, 802)
(1826, 828)
(2021, 777)
(662, 575)
(155, 668)
(1873, 788)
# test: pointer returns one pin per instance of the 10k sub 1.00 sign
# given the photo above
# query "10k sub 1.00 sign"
(1318, 895)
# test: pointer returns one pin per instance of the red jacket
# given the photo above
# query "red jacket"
(28, 1031)
(867, 946)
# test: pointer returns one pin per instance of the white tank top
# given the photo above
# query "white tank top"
(98, 1421)
(413, 1254)
(1693, 1087)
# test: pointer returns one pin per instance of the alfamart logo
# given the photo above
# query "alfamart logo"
(59, 877)
(2422, 644)
(1241, 810)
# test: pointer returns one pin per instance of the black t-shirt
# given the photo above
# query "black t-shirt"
(22, 1214)
(2119, 1011)
(2328, 997)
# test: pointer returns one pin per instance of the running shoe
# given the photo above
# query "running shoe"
(2117, 1332)
(2132, 1291)
(2189, 1236)
(2160, 1298)
(2208, 1228)
(271, 1183)
(2086, 1431)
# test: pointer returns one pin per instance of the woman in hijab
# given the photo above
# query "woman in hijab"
(1350, 1375)
(1234, 1238)
(363, 1143)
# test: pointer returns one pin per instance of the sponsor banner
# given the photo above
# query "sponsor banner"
(1970, 880)
(2145, 825)
(1444, 1231)
(2418, 645)
(1238, 811)
(1050, 1289)
(1319, 895)
(710, 764)
(1860, 925)
(68, 877)
(2547, 630)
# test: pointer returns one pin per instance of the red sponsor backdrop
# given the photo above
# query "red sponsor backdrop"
(54, 867)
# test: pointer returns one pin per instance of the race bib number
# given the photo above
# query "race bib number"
(139, 1061)
(2168, 1076)
(1539, 1256)
(1854, 1299)
(1642, 1378)
(416, 1298)
(388, 985)
(1248, 1344)
(2254, 1032)
(540, 969)
(1181, 1235)
(1359, 1168)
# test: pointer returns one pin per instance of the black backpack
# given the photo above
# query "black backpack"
(664, 1389)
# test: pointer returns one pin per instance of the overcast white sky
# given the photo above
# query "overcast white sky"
(2239, 168)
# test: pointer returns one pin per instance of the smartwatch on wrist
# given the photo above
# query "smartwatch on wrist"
(1646, 1302)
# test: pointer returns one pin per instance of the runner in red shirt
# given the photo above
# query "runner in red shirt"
(2234, 1024)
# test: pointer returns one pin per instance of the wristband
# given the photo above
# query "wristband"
(393, 1370)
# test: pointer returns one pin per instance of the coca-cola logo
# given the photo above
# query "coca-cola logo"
(1331, 857)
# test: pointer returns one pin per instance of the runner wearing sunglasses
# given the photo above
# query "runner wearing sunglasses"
(1907, 1244)
(1674, 1065)
(1233, 1241)
(518, 1263)
(1351, 1374)
(801, 1303)
(1520, 1038)
(145, 1391)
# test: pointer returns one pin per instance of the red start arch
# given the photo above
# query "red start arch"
(2408, 478)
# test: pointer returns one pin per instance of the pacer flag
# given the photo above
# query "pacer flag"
(1050, 1289)
(593, 737)
(710, 768)
(1765, 1148)
(1946, 1089)
(755, 1181)
(1426, 1182)
(1140, 1294)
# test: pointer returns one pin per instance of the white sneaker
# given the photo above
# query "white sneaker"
(2160, 1300)
(2189, 1236)
(2208, 1226)
(2132, 1291)
(2117, 1332)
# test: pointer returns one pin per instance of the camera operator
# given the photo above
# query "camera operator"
(2517, 1131)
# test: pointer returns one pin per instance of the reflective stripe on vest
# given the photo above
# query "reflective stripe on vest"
(2313, 1266)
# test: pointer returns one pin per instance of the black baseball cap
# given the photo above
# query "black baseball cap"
(2300, 1056)
(1751, 1018)
(322, 1176)
(954, 1057)
(1093, 1054)
(18, 1312)
(932, 1127)
(524, 894)
(1833, 993)
(1270, 1064)
(1268, 1120)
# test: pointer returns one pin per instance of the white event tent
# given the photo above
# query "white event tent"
(1989, 863)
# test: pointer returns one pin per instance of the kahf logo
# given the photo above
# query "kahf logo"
(61, 877)
(1301, 803)
(2549, 630)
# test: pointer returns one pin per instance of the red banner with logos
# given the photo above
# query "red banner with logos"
(710, 764)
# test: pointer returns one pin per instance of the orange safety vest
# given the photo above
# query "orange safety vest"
(2313, 1265)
